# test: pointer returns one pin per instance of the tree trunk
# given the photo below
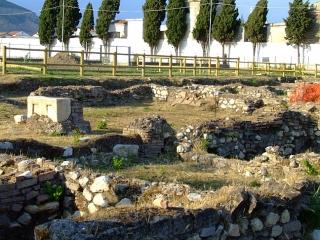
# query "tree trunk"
(204, 49)
(176, 49)
(254, 52)
(223, 48)
(298, 47)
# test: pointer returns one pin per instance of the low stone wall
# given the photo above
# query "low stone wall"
(97, 95)
(293, 132)
(237, 97)
(24, 198)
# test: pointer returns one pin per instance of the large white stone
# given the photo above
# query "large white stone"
(87, 195)
(92, 208)
(83, 181)
(99, 200)
(20, 119)
(23, 165)
(124, 150)
(57, 109)
(100, 184)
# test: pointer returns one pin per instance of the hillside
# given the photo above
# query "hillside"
(19, 22)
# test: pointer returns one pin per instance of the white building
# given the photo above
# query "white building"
(127, 38)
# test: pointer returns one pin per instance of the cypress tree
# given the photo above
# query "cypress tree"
(201, 29)
(226, 24)
(48, 22)
(152, 22)
(255, 27)
(107, 13)
(176, 22)
(298, 24)
(87, 26)
(72, 18)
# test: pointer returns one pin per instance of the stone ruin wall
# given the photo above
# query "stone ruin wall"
(24, 204)
(293, 132)
(234, 97)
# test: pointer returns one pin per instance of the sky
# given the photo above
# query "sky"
(278, 9)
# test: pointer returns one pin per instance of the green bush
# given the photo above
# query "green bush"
(310, 169)
(201, 146)
(118, 163)
(102, 125)
(54, 191)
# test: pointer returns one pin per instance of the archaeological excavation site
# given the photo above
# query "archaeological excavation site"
(159, 158)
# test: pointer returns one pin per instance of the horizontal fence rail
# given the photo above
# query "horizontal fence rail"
(149, 65)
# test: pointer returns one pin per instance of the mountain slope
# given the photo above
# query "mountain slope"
(17, 22)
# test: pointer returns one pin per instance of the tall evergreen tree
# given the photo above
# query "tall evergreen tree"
(176, 22)
(255, 27)
(202, 27)
(298, 24)
(69, 23)
(87, 26)
(107, 13)
(48, 22)
(153, 15)
(226, 24)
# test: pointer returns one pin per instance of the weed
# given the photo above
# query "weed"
(254, 184)
(118, 163)
(201, 146)
(147, 109)
(55, 134)
(310, 169)
(76, 135)
(54, 191)
(311, 216)
(102, 125)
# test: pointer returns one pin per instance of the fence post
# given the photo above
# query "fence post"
(217, 67)
(45, 61)
(194, 66)
(209, 66)
(238, 67)
(81, 63)
(4, 60)
(316, 73)
(160, 64)
(114, 64)
(143, 71)
(252, 68)
(170, 66)
(184, 65)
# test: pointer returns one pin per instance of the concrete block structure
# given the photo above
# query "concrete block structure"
(57, 109)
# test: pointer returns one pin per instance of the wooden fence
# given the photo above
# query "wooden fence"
(161, 64)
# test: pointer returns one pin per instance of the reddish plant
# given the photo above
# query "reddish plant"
(306, 92)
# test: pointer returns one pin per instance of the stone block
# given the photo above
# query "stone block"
(20, 119)
(27, 183)
(123, 150)
(43, 177)
(57, 109)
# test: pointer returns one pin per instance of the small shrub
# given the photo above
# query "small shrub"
(76, 135)
(201, 146)
(118, 163)
(54, 191)
(102, 125)
(310, 169)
